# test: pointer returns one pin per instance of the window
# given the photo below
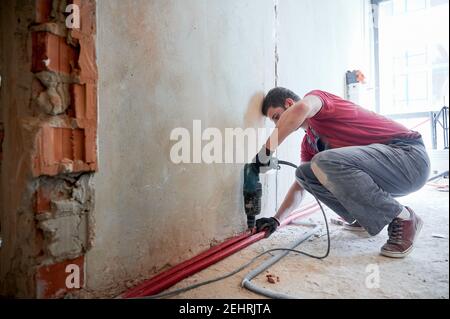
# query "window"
(413, 51)
(434, 3)
(397, 7)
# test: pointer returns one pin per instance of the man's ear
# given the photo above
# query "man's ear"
(288, 103)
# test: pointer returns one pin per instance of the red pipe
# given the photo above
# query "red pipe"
(163, 275)
(202, 264)
(212, 259)
(205, 259)
(309, 210)
(136, 291)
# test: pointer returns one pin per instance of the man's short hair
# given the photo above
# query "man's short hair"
(277, 97)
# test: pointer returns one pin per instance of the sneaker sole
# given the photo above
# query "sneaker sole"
(406, 252)
(355, 229)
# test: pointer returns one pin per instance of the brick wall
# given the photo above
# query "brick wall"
(50, 150)
(66, 69)
(64, 63)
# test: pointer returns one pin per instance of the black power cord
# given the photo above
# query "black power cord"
(323, 214)
(207, 282)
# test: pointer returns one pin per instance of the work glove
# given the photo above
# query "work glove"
(269, 224)
(265, 161)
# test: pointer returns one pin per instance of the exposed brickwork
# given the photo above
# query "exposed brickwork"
(87, 13)
(63, 210)
(64, 150)
(43, 10)
(83, 97)
(42, 201)
(51, 279)
(70, 145)
(50, 113)
(65, 90)
(52, 53)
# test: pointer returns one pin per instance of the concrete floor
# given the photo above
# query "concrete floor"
(353, 260)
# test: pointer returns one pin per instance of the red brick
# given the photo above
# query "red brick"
(84, 38)
(61, 56)
(79, 145)
(87, 61)
(43, 10)
(67, 141)
(84, 101)
(42, 201)
(59, 149)
(36, 88)
(87, 17)
(51, 280)
(91, 147)
(40, 241)
(65, 148)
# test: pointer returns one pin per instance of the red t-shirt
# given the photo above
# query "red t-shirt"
(341, 123)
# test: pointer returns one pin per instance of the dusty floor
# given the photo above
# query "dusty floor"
(354, 259)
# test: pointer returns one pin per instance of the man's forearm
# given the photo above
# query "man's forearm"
(289, 122)
(291, 201)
